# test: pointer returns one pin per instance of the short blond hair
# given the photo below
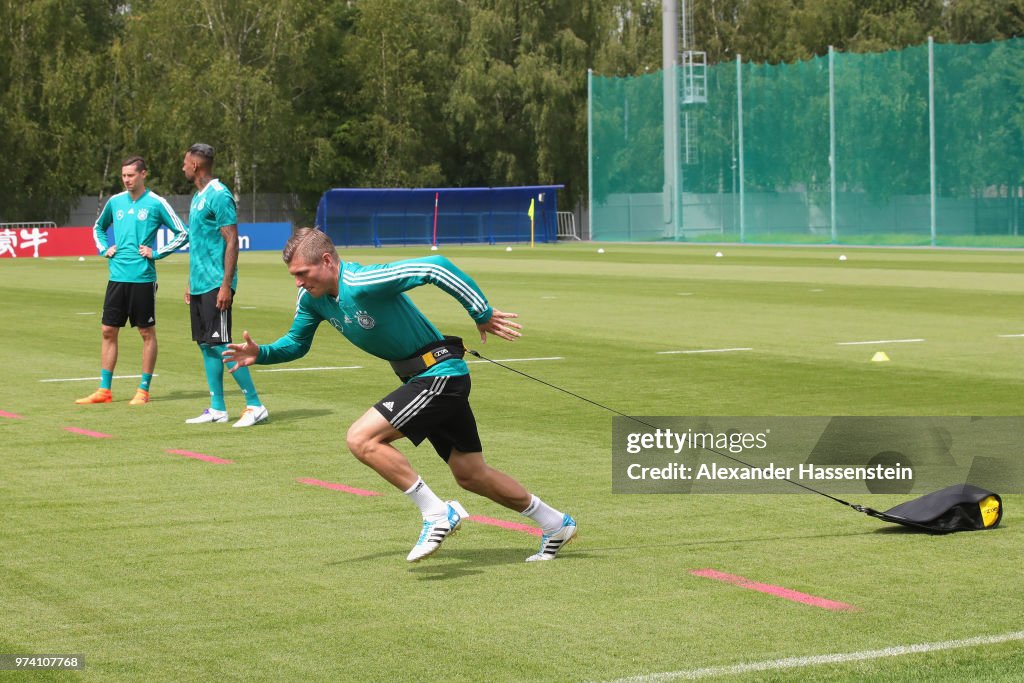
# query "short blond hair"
(309, 244)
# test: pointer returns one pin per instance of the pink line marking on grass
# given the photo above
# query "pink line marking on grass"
(199, 456)
(514, 526)
(338, 487)
(777, 591)
(12, 416)
(86, 432)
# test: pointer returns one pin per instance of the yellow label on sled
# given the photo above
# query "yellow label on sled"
(989, 511)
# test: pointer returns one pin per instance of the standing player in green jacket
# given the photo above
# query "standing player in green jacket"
(135, 214)
(213, 279)
(367, 305)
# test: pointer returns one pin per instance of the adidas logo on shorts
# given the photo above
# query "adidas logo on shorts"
(390, 405)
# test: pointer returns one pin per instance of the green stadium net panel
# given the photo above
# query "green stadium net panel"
(927, 146)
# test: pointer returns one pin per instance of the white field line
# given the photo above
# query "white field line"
(880, 341)
(344, 367)
(327, 367)
(742, 348)
(841, 658)
(516, 360)
(1007, 336)
(94, 379)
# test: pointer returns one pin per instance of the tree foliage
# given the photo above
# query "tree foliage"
(51, 65)
(301, 95)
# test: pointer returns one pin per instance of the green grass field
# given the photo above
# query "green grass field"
(158, 567)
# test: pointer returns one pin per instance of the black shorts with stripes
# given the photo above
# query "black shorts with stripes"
(210, 325)
(434, 408)
(135, 301)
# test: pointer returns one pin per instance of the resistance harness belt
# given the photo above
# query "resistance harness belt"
(428, 356)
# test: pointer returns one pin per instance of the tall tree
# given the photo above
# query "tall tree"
(320, 82)
(216, 71)
(981, 21)
(405, 56)
(51, 61)
(518, 102)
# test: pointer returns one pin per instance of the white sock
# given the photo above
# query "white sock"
(427, 501)
(550, 519)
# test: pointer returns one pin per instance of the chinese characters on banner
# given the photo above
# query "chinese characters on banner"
(45, 241)
(24, 240)
(48, 240)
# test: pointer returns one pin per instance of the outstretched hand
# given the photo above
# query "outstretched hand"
(242, 355)
(500, 325)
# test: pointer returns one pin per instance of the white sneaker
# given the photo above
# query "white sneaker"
(550, 544)
(209, 415)
(434, 532)
(252, 415)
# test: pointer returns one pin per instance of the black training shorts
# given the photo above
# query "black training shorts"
(435, 408)
(130, 300)
(210, 325)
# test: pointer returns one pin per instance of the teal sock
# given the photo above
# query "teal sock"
(147, 377)
(106, 379)
(214, 367)
(245, 383)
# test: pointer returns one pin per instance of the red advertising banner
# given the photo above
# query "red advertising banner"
(43, 242)
(35, 242)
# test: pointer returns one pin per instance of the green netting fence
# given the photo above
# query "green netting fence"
(922, 146)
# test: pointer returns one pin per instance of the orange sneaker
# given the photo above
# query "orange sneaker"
(98, 396)
(140, 398)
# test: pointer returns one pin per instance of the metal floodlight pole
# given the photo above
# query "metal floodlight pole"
(739, 127)
(832, 142)
(590, 151)
(931, 131)
(669, 55)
